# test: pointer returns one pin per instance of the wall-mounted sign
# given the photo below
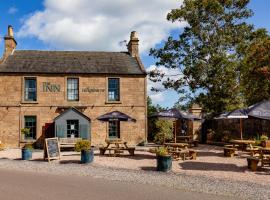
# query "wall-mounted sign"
(49, 87)
(90, 90)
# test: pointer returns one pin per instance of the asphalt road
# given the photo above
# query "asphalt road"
(17, 185)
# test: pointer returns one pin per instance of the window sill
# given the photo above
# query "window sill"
(29, 102)
(28, 140)
(113, 102)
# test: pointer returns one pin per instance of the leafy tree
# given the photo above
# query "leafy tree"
(151, 109)
(256, 72)
(206, 52)
(164, 131)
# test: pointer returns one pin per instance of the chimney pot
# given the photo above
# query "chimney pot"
(10, 31)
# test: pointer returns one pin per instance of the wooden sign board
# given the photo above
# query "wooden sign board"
(51, 149)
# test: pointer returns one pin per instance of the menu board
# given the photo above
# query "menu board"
(51, 149)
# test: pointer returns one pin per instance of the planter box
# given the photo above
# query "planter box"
(164, 163)
(26, 154)
(87, 156)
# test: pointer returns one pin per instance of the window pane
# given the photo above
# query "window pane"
(30, 122)
(73, 89)
(73, 128)
(113, 89)
(30, 89)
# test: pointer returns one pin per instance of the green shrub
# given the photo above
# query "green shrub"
(162, 151)
(82, 145)
(28, 146)
(165, 131)
(263, 138)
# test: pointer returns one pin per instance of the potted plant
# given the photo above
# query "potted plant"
(24, 133)
(27, 152)
(87, 153)
(164, 159)
(263, 140)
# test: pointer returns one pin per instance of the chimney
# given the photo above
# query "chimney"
(10, 43)
(133, 45)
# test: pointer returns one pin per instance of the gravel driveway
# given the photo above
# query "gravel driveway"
(210, 173)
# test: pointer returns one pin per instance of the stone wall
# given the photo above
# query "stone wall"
(92, 97)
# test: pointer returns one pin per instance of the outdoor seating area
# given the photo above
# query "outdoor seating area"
(116, 147)
(256, 154)
(209, 162)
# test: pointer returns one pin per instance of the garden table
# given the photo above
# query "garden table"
(243, 143)
(119, 147)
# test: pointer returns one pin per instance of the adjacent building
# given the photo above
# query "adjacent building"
(62, 93)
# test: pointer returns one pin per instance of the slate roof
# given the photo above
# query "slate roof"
(72, 109)
(71, 62)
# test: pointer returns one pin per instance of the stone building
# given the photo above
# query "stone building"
(37, 87)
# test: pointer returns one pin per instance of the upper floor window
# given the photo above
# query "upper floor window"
(113, 89)
(30, 89)
(73, 89)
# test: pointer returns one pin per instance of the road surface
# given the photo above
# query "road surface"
(19, 185)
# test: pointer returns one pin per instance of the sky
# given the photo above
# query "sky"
(97, 25)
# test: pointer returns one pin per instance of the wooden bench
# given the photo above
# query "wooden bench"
(229, 151)
(253, 163)
(68, 142)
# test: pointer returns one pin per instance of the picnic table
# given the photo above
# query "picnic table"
(187, 139)
(178, 150)
(243, 143)
(116, 147)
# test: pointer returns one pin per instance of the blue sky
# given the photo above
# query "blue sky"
(57, 25)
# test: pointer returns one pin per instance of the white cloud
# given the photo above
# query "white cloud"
(161, 97)
(12, 10)
(100, 24)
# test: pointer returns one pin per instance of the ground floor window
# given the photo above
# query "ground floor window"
(114, 129)
(72, 128)
(31, 123)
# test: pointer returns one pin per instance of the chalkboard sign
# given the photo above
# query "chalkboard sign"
(51, 149)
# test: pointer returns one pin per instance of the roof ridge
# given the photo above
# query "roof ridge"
(71, 51)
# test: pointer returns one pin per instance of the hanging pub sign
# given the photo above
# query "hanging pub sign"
(51, 149)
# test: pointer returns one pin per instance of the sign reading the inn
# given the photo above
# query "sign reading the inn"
(91, 90)
(49, 87)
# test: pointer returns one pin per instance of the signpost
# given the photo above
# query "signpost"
(51, 149)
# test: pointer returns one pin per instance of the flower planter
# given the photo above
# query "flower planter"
(164, 163)
(87, 156)
(26, 154)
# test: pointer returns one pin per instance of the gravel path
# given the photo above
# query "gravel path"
(198, 183)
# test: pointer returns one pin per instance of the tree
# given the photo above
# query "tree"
(151, 109)
(206, 52)
(164, 130)
(256, 72)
